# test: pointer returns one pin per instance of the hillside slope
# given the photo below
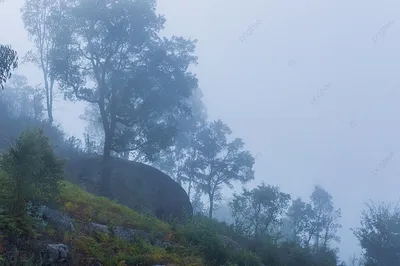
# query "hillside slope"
(85, 229)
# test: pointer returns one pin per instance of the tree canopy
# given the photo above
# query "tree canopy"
(379, 234)
(111, 54)
(8, 62)
(219, 161)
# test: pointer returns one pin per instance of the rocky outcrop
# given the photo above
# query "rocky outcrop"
(136, 185)
(54, 253)
(64, 222)
(58, 219)
(47, 253)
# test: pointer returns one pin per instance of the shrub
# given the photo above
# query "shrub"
(30, 172)
(203, 238)
(245, 258)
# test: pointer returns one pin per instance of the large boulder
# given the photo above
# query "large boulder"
(136, 185)
(54, 253)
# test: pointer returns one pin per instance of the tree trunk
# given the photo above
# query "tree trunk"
(257, 221)
(109, 131)
(50, 114)
(50, 105)
(189, 188)
(326, 237)
(210, 211)
(105, 182)
(48, 90)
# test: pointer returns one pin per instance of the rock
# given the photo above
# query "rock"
(162, 244)
(55, 253)
(136, 185)
(131, 235)
(60, 220)
(94, 227)
(127, 234)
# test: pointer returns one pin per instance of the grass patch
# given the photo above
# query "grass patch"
(112, 251)
(86, 207)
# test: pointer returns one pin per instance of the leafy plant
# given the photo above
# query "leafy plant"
(30, 173)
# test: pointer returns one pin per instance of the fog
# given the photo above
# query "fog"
(312, 87)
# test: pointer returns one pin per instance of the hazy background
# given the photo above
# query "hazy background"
(260, 65)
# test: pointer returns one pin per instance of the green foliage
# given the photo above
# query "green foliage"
(258, 211)
(110, 250)
(379, 234)
(29, 172)
(314, 224)
(201, 241)
(201, 235)
(245, 258)
(299, 217)
(8, 62)
(33, 172)
(138, 112)
(6, 193)
(84, 206)
(218, 161)
(325, 219)
(14, 225)
(208, 239)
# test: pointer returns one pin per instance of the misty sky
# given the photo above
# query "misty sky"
(261, 63)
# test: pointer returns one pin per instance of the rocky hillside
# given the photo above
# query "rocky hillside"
(86, 229)
(47, 220)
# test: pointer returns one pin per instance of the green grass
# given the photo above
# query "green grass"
(195, 243)
(86, 207)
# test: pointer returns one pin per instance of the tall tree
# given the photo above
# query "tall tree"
(325, 221)
(219, 161)
(37, 21)
(8, 62)
(258, 211)
(300, 215)
(379, 234)
(109, 53)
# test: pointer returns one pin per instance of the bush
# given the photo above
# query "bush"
(203, 238)
(206, 237)
(245, 258)
(30, 172)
